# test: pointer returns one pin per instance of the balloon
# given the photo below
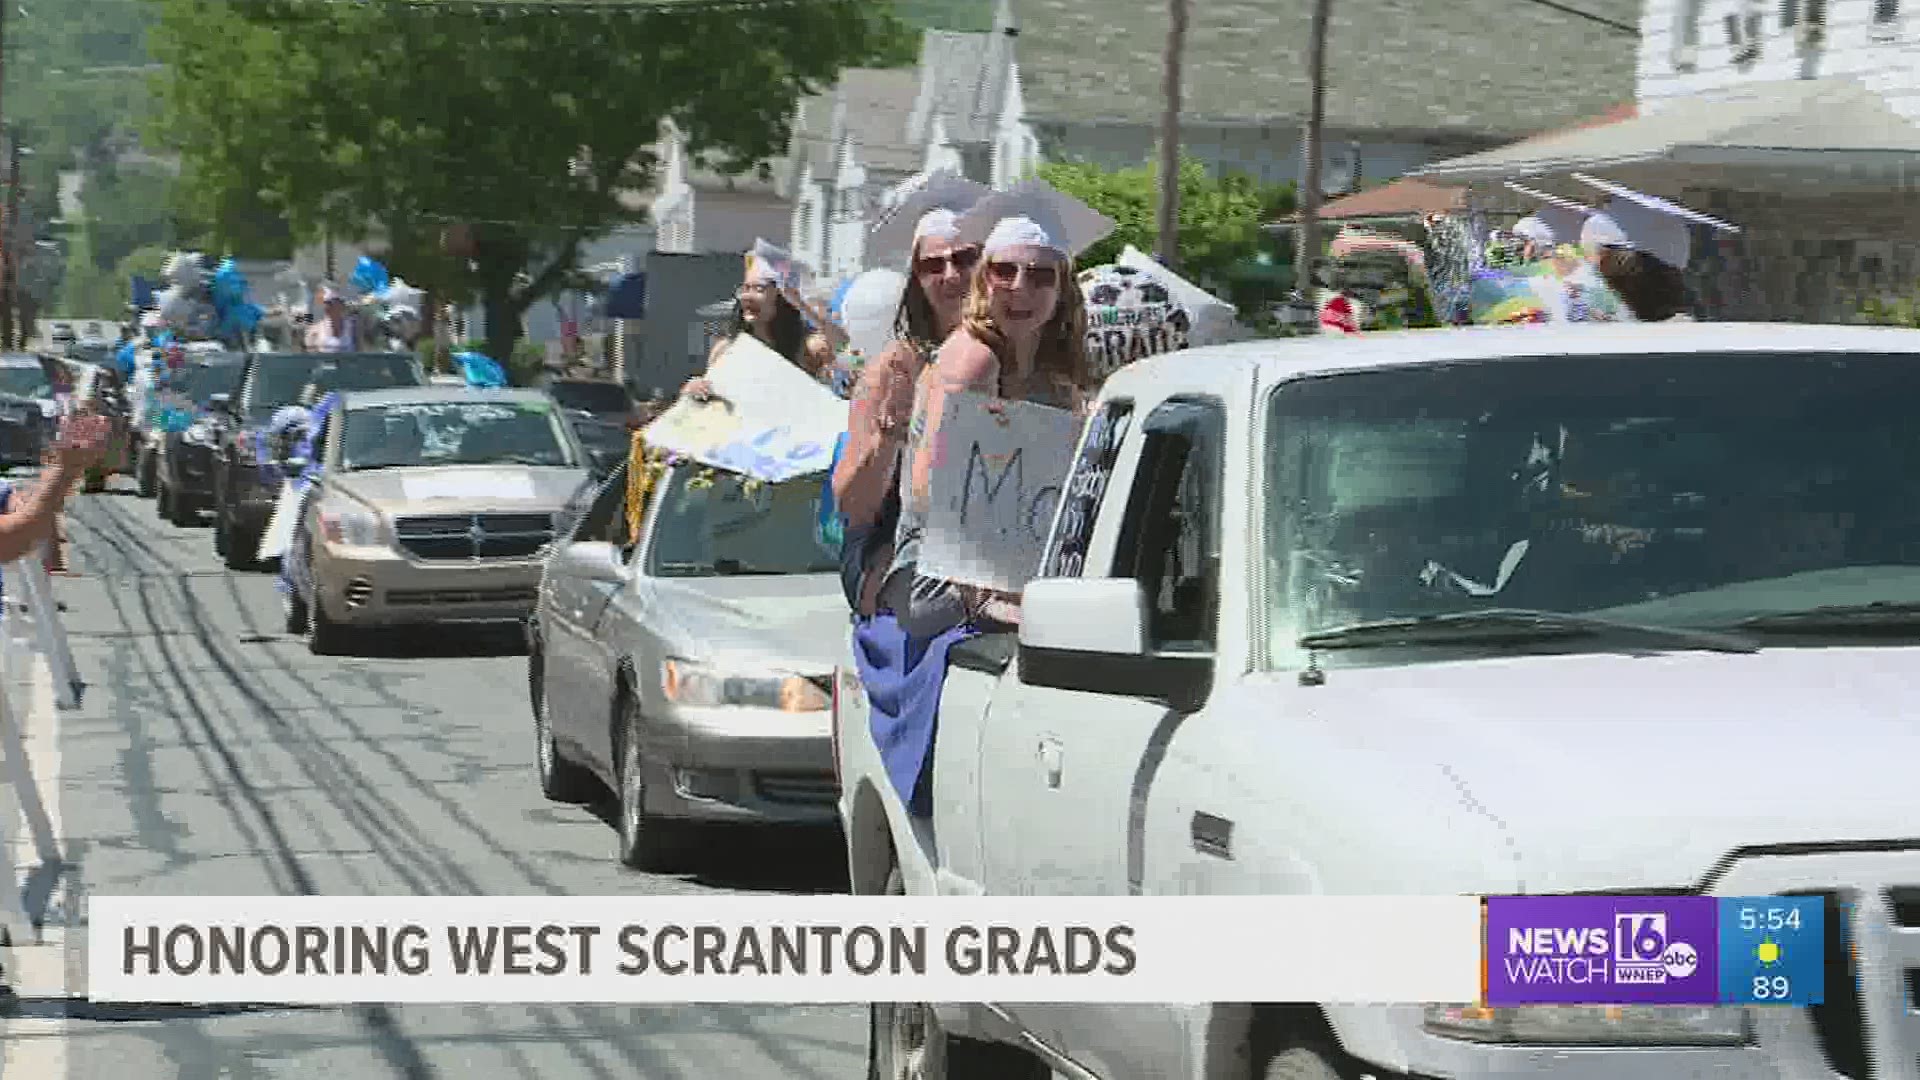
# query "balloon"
(480, 372)
(868, 309)
(368, 275)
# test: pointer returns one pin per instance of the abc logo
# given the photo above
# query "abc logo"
(1680, 960)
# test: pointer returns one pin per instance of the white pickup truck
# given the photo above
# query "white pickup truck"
(1530, 610)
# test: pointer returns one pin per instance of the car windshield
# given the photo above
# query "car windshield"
(279, 379)
(724, 525)
(1695, 490)
(594, 397)
(433, 433)
(24, 379)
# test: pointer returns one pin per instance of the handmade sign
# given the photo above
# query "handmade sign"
(1131, 315)
(1215, 321)
(770, 420)
(996, 483)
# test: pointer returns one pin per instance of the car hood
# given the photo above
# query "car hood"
(462, 488)
(1593, 771)
(795, 622)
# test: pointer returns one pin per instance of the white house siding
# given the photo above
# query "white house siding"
(1271, 154)
(731, 221)
(1857, 43)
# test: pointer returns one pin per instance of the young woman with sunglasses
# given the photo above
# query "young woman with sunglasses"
(767, 305)
(865, 481)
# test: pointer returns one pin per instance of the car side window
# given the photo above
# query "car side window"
(1086, 485)
(1170, 539)
(605, 521)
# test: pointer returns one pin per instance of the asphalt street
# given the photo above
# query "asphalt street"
(212, 755)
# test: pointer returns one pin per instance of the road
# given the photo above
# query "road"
(213, 755)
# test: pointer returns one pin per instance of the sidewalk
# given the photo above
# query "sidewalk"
(41, 973)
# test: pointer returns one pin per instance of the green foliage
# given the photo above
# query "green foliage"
(1899, 311)
(516, 135)
(1220, 217)
(966, 16)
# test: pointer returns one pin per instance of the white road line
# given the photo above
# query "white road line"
(35, 1046)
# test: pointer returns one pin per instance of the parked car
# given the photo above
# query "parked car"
(433, 505)
(1429, 613)
(689, 669)
(29, 409)
(177, 467)
(243, 492)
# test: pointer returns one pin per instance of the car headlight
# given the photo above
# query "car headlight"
(690, 683)
(1593, 1025)
(344, 524)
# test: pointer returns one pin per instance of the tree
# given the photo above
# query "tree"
(486, 147)
(1221, 218)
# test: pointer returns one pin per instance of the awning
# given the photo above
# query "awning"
(1833, 126)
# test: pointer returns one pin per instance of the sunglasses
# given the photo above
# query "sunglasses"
(1009, 274)
(962, 261)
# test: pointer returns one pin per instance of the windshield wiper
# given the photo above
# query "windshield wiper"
(1514, 623)
(1880, 614)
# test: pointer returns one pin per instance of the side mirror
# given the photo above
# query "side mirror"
(591, 560)
(1089, 635)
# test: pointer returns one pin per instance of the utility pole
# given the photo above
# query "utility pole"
(1307, 233)
(1167, 245)
(10, 265)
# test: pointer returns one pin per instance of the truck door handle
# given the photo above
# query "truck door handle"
(1050, 763)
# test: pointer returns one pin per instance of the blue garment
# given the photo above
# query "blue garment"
(904, 678)
(293, 579)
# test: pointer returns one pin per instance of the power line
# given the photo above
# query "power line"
(1602, 20)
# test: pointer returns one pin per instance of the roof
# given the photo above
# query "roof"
(969, 82)
(410, 395)
(1388, 63)
(873, 104)
(1402, 198)
(1808, 123)
(1284, 358)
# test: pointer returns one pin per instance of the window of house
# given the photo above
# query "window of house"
(1886, 11)
(1170, 542)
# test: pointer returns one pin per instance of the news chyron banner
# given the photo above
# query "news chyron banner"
(1655, 950)
(333, 950)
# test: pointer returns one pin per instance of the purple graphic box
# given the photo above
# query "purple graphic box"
(1602, 950)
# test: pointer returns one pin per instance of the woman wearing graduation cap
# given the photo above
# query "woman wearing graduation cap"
(767, 304)
(923, 230)
(1641, 251)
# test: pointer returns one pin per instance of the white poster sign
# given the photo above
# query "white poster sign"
(995, 485)
(771, 421)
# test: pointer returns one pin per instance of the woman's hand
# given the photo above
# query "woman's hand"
(698, 388)
(997, 408)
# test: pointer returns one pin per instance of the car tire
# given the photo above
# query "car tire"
(220, 536)
(237, 553)
(647, 843)
(1300, 1063)
(147, 469)
(180, 510)
(162, 502)
(904, 1039)
(324, 636)
(297, 615)
(561, 779)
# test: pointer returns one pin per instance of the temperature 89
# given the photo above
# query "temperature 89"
(1772, 988)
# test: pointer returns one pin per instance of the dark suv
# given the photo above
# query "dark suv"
(602, 413)
(243, 490)
(177, 468)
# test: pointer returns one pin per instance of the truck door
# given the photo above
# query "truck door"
(1079, 767)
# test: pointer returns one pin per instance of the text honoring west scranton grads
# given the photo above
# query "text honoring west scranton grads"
(743, 949)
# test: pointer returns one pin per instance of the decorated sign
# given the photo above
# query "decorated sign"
(1131, 315)
(996, 483)
(768, 420)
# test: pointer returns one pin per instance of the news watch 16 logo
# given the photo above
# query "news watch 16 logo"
(1644, 954)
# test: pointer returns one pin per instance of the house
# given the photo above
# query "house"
(696, 209)
(1407, 83)
(1794, 122)
(849, 146)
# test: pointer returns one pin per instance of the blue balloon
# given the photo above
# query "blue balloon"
(127, 359)
(369, 276)
(480, 372)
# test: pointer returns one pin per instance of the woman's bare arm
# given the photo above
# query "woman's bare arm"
(877, 419)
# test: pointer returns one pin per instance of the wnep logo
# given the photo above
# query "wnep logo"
(1643, 955)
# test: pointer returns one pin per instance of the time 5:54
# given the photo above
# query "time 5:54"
(1771, 918)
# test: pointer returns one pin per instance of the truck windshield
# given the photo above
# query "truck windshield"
(1693, 490)
(279, 379)
(725, 525)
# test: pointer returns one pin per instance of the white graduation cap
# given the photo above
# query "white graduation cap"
(770, 264)
(1629, 224)
(1033, 213)
(1534, 230)
(929, 204)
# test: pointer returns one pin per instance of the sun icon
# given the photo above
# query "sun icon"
(1768, 952)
